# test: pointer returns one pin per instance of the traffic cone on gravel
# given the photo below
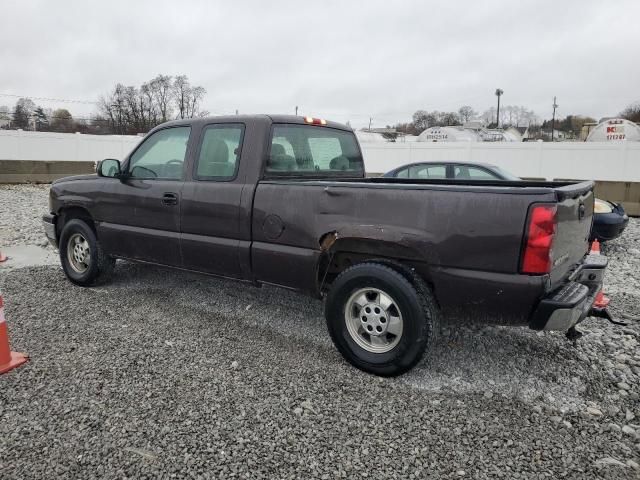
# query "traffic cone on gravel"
(3, 257)
(601, 300)
(8, 359)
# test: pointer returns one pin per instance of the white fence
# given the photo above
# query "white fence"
(619, 161)
(598, 161)
(22, 145)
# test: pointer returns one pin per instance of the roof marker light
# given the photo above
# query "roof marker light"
(315, 121)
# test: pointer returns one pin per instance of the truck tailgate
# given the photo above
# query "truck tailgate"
(574, 218)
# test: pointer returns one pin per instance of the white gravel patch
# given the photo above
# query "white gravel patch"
(21, 210)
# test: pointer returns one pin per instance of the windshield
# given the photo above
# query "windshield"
(313, 151)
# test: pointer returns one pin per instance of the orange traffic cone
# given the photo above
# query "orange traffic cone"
(3, 257)
(601, 301)
(8, 359)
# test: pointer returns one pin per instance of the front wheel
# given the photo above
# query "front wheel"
(82, 257)
(380, 318)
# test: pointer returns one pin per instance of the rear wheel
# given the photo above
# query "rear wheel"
(380, 319)
(82, 257)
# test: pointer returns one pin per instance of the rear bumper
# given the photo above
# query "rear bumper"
(49, 224)
(570, 304)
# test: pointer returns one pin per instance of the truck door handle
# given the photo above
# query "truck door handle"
(169, 199)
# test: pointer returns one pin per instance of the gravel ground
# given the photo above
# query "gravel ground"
(162, 373)
(21, 208)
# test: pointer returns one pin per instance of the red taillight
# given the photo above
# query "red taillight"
(315, 121)
(536, 257)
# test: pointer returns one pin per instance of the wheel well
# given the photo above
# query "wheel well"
(343, 253)
(70, 213)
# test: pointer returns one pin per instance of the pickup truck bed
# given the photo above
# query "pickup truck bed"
(464, 238)
(284, 200)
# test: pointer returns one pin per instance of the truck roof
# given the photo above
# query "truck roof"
(270, 118)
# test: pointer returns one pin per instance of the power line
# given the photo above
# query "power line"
(46, 99)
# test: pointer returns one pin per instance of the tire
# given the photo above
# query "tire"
(348, 322)
(98, 264)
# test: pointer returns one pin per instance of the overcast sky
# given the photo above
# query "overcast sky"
(344, 60)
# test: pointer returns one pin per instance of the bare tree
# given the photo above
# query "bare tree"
(181, 89)
(131, 110)
(196, 95)
(187, 98)
(466, 113)
(116, 108)
(161, 95)
(632, 112)
(489, 116)
(448, 118)
(421, 120)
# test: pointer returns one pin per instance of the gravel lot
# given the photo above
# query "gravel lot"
(162, 373)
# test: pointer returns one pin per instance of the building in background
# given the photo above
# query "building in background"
(379, 135)
(448, 134)
(521, 134)
(614, 130)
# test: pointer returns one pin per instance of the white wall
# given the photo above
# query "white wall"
(23, 145)
(614, 161)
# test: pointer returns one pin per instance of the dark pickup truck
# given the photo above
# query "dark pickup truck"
(283, 200)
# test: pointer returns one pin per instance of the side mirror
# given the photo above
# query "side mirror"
(108, 168)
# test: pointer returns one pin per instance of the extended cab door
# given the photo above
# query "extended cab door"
(215, 227)
(141, 212)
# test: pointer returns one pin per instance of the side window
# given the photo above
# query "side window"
(220, 152)
(161, 155)
(427, 171)
(481, 174)
(473, 173)
(404, 173)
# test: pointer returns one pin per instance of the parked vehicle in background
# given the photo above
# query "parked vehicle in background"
(284, 200)
(609, 219)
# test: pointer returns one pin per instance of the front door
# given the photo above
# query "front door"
(142, 211)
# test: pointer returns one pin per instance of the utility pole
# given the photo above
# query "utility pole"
(296, 110)
(553, 118)
(370, 120)
(499, 93)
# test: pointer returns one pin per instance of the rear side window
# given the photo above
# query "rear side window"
(428, 171)
(473, 173)
(313, 151)
(219, 152)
